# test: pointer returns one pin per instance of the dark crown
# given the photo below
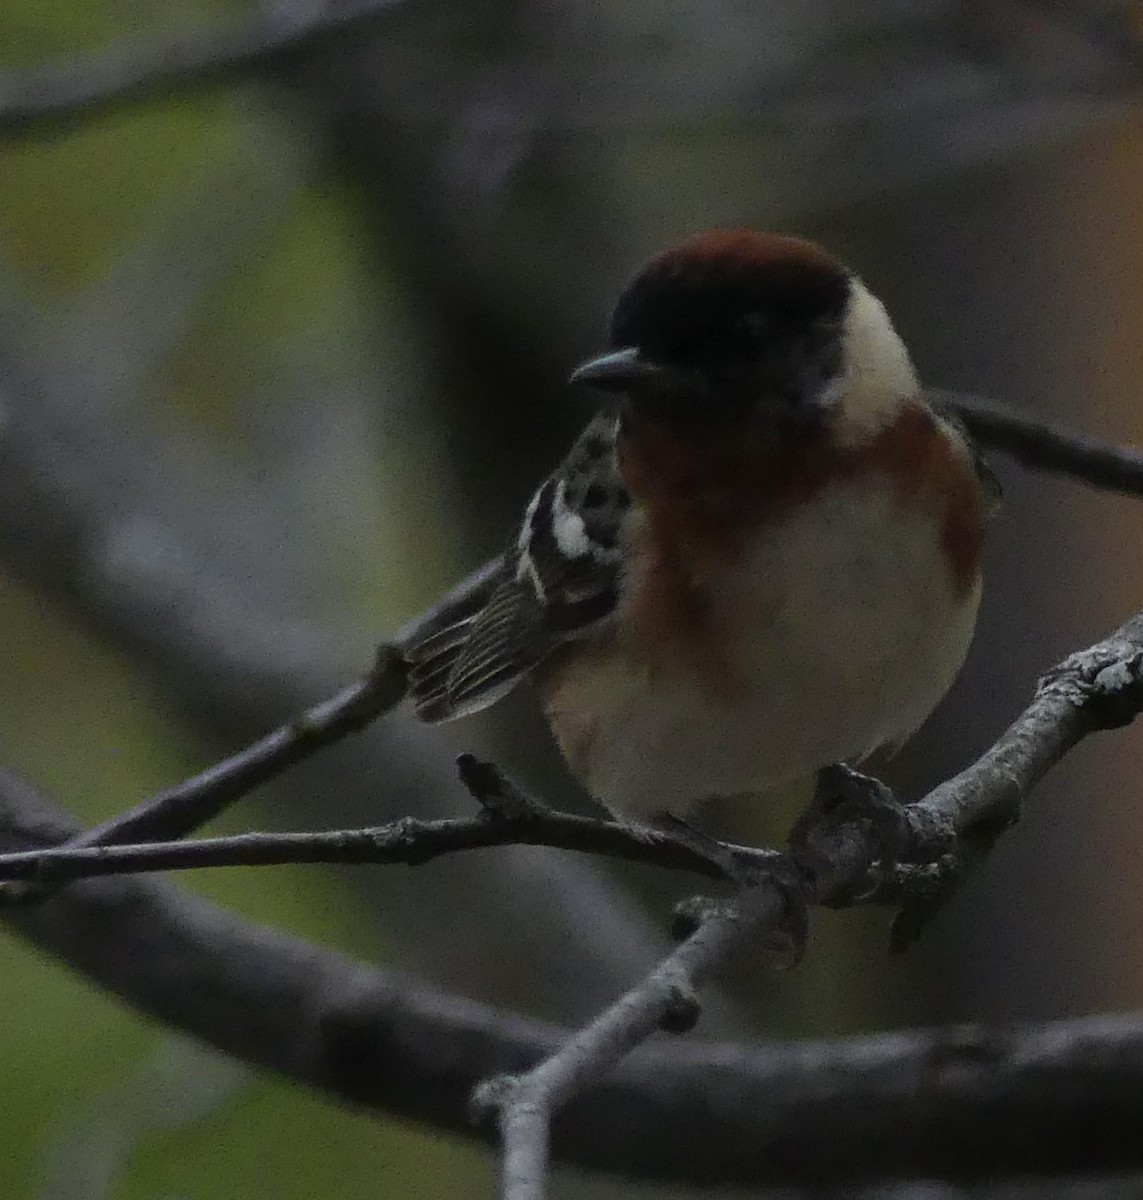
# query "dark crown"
(729, 295)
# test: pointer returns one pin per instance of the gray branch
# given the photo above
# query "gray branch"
(835, 861)
(408, 841)
(958, 822)
(1044, 447)
(82, 86)
(953, 71)
(206, 586)
(923, 1104)
(526, 1105)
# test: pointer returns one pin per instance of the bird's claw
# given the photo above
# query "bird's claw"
(720, 856)
(786, 942)
(845, 796)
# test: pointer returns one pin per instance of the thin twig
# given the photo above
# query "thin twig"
(1043, 447)
(525, 1104)
(409, 841)
(179, 810)
(187, 806)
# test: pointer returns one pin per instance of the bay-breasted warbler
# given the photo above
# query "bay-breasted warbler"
(762, 559)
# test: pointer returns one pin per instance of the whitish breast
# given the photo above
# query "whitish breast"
(837, 631)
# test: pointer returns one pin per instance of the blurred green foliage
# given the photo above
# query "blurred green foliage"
(88, 1112)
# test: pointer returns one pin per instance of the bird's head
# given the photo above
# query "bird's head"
(743, 331)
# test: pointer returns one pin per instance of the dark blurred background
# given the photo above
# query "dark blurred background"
(282, 353)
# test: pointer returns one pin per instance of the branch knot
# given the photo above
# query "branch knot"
(683, 1008)
(1106, 681)
(500, 798)
(491, 1096)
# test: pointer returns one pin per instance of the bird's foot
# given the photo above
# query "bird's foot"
(785, 941)
(844, 796)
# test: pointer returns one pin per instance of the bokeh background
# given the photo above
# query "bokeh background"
(282, 353)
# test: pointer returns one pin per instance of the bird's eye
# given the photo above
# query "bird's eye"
(753, 326)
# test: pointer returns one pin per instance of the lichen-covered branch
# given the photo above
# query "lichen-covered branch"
(957, 823)
(835, 862)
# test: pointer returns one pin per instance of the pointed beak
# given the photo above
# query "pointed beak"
(617, 371)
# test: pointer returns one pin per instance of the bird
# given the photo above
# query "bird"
(760, 558)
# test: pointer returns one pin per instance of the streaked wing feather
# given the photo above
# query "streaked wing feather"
(506, 641)
(558, 580)
(441, 642)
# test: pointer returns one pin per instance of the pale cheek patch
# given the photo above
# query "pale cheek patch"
(880, 374)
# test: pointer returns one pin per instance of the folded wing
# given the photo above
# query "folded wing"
(558, 580)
